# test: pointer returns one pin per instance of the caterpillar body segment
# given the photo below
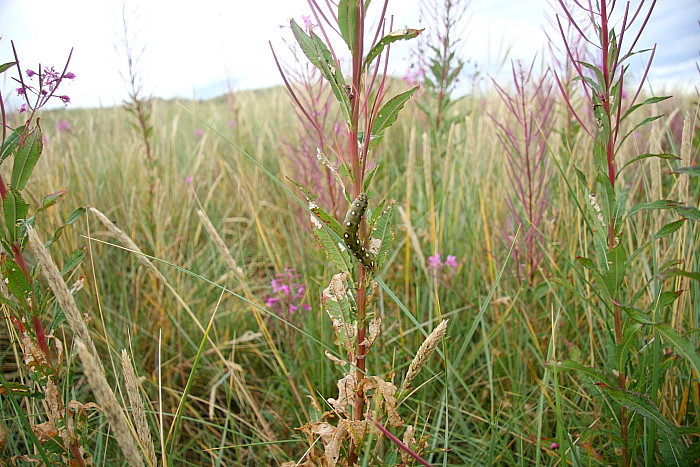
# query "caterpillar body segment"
(351, 226)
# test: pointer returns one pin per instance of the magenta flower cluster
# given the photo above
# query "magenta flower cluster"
(287, 293)
(448, 268)
(45, 89)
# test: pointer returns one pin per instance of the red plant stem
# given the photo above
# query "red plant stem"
(36, 322)
(357, 166)
(608, 72)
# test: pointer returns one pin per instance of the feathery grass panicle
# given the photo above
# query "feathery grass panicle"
(220, 245)
(137, 409)
(424, 352)
(60, 289)
(110, 406)
(126, 241)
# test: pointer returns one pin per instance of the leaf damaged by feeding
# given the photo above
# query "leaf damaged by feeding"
(339, 303)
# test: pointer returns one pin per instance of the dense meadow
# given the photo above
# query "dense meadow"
(194, 261)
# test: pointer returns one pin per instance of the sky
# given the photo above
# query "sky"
(200, 49)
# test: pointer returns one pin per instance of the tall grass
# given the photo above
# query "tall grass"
(240, 382)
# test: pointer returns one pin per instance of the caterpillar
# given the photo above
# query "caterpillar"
(351, 225)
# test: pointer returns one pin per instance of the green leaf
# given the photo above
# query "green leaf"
(318, 54)
(26, 157)
(658, 204)
(9, 146)
(599, 84)
(667, 298)
(390, 111)
(616, 269)
(607, 198)
(74, 261)
(694, 275)
(6, 66)
(575, 366)
(636, 314)
(669, 228)
(586, 262)
(651, 100)
(622, 351)
(347, 22)
(384, 233)
(398, 35)
(15, 280)
(680, 344)
(51, 200)
(72, 218)
(688, 212)
(15, 212)
(369, 176)
(662, 155)
(693, 171)
(637, 126)
(641, 404)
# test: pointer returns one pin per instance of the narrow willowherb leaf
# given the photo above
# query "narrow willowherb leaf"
(51, 200)
(680, 344)
(644, 406)
(6, 66)
(398, 35)
(9, 146)
(15, 212)
(320, 56)
(664, 156)
(347, 22)
(669, 228)
(390, 111)
(26, 157)
(72, 218)
(614, 272)
(693, 171)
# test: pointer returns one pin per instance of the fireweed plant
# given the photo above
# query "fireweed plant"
(524, 139)
(643, 342)
(355, 423)
(49, 427)
(438, 64)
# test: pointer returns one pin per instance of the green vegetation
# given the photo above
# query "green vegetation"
(528, 372)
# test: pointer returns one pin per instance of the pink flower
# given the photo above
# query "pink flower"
(188, 180)
(22, 108)
(63, 125)
(434, 262)
(69, 75)
(198, 133)
(65, 99)
(451, 261)
(30, 73)
(554, 446)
